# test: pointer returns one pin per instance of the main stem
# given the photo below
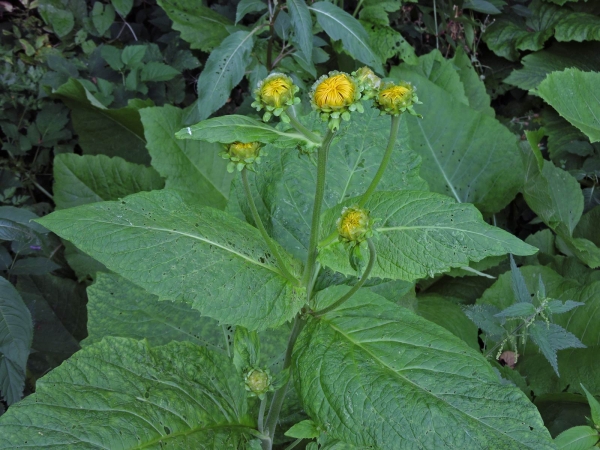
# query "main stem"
(384, 162)
(316, 215)
(279, 397)
(280, 262)
(301, 128)
(357, 286)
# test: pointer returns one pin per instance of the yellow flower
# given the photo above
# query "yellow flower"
(335, 92)
(274, 94)
(334, 96)
(354, 225)
(242, 154)
(368, 80)
(397, 98)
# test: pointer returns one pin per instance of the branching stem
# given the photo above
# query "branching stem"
(357, 286)
(301, 128)
(272, 246)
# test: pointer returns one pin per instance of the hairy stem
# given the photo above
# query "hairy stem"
(277, 402)
(357, 286)
(261, 413)
(384, 162)
(316, 215)
(272, 246)
(301, 128)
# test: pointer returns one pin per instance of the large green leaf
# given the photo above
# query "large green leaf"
(199, 25)
(582, 437)
(467, 155)
(557, 57)
(338, 24)
(420, 234)
(111, 132)
(198, 255)
(122, 394)
(573, 94)
(564, 140)
(302, 26)
(16, 331)
(374, 374)
(87, 179)
(235, 127)
(117, 307)
(224, 69)
(194, 169)
(286, 182)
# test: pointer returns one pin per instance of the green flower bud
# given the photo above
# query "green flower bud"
(354, 225)
(394, 99)
(370, 82)
(242, 155)
(275, 94)
(258, 382)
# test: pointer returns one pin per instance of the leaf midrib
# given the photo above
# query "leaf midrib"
(383, 365)
(199, 238)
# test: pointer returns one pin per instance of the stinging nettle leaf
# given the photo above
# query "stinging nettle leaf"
(224, 69)
(338, 24)
(558, 307)
(572, 93)
(179, 395)
(419, 234)
(518, 310)
(375, 375)
(550, 338)
(518, 283)
(201, 256)
(199, 25)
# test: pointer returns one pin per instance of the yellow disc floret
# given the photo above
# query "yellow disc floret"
(274, 94)
(334, 96)
(396, 98)
(242, 154)
(354, 225)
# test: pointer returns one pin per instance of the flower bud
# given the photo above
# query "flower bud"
(274, 94)
(334, 96)
(370, 82)
(258, 382)
(395, 99)
(242, 155)
(354, 225)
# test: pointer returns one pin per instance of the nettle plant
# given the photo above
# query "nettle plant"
(356, 370)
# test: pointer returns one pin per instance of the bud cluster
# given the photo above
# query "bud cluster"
(242, 155)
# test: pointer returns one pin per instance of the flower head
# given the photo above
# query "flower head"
(395, 99)
(354, 225)
(274, 94)
(335, 95)
(241, 154)
(258, 382)
(370, 82)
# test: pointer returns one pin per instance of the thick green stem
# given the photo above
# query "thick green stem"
(261, 413)
(384, 162)
(277, 402)
(316, 215)
(272, 246)
(301, 128)
(357, 286)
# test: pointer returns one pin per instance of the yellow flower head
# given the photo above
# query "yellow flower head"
(368, 80)
(274, 94)
(334, 96)
(395, 99)
(354, 225)
(242, 154)
(258, 382)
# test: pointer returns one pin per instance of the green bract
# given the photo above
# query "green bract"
(275, 94)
